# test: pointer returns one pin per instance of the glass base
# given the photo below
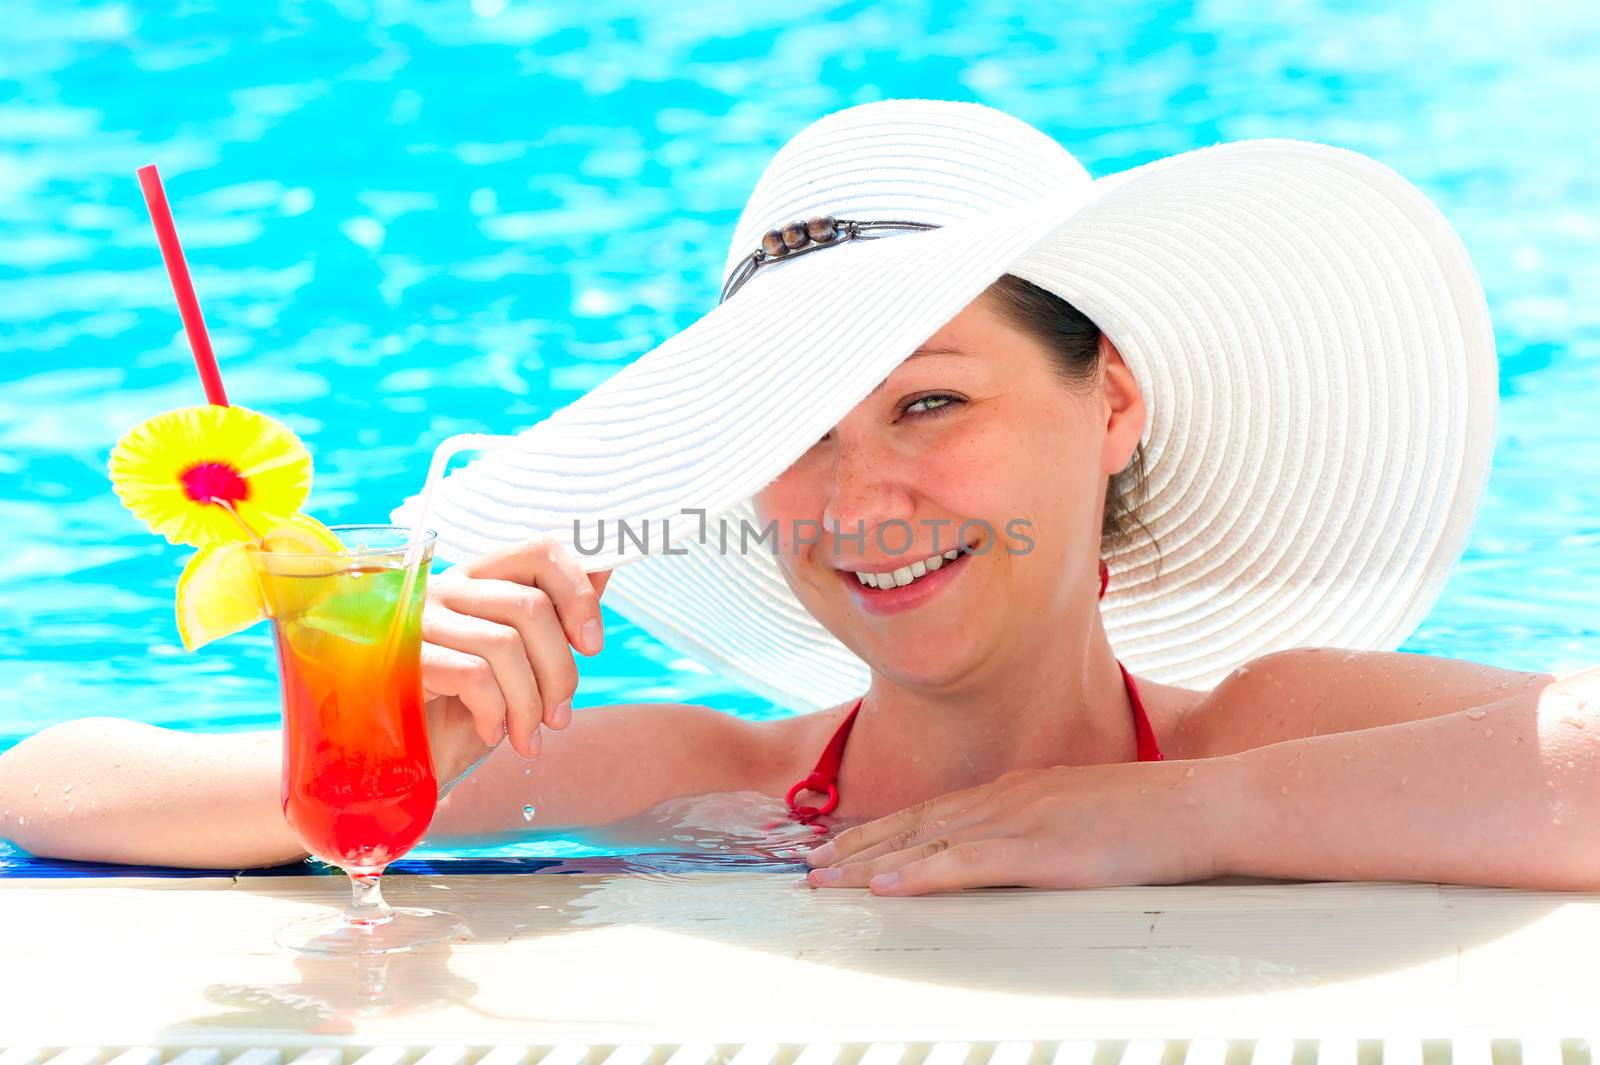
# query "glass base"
(399, 928)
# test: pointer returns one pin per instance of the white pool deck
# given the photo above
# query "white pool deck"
(726, 959)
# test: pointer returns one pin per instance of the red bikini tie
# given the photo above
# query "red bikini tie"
(824, 778)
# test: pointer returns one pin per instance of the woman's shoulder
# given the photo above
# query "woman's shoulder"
(1313, 691)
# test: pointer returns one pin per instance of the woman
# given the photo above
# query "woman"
(978, 361)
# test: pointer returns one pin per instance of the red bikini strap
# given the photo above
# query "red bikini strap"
(824, 779)
(1144, 735)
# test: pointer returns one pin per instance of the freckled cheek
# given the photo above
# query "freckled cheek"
(787, 501)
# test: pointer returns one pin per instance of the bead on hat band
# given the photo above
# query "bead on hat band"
(805, 235)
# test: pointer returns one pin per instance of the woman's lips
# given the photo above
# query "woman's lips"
(905, 597)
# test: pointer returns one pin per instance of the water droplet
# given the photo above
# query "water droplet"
(1284, 789)
(1143, 790)
(1476, 715)
(1403, 781)
(1488, 733)
(67, 790)
(36, 789)
(528, 812)
(1573, 721)
(1189, 772)
(1349, 757)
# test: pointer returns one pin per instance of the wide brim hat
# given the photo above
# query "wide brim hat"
(1309, 335)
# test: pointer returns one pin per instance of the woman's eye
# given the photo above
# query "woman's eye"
(934, 404)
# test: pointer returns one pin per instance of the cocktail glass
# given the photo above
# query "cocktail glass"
(359, 788)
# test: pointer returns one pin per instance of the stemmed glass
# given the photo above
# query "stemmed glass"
(359, 788)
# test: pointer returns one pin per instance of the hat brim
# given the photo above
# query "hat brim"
(1319, 377)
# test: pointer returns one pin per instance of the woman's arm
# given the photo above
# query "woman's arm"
(497, 668)
(1504, 794)
(109, 790)
(104, 789)
(611, 763)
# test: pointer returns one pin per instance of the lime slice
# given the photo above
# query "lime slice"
(362, 609)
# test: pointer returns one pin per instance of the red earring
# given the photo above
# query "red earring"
(1105, 578)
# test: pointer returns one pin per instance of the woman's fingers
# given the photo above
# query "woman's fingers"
(471, 680)
(929, 829)
(544, 643)
(502, 648)
(976, 863)
(854, 841)
(859, 873)
(553, 569)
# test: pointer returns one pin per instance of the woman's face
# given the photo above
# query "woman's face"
(973, 442)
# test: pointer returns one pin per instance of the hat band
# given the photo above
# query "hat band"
(806, 235)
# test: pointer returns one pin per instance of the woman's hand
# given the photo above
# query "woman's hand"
(497, 661)
(1089, 826)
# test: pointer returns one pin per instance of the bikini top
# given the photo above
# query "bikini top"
(824, 779)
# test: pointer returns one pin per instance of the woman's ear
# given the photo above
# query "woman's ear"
(1122, 406)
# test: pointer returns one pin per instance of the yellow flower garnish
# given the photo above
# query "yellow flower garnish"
(210, 475)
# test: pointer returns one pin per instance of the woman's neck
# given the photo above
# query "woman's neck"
(1062, 702)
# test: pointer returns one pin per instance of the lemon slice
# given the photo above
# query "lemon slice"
(302, 534)
(226, 588)
(218, 594)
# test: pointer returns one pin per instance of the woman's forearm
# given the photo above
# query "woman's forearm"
(105, 789)
(1505, 794)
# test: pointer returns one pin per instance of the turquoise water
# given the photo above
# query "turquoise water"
(407, 220)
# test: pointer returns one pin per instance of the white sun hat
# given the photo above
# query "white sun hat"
(1310, 337)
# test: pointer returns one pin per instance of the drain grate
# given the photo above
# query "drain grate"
(1458, 1051)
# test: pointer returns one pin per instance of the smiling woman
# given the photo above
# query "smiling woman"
(1065, 483)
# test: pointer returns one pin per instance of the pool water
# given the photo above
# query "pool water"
(410, 219)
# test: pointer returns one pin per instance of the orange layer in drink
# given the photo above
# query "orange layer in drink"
(358, 784)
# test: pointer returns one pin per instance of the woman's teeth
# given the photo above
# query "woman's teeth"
(906, 574)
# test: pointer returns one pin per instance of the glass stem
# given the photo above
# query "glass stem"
(367, 907)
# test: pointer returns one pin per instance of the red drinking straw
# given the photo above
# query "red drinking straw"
(155, 197)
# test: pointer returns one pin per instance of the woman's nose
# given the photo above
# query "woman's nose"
(870, 487)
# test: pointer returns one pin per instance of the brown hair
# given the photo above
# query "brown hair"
(1074, 343)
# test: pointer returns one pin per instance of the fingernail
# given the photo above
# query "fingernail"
(535, 743)
(825, 876)
(591, 637)
(885, 881)
(821, 856)
(561, 716)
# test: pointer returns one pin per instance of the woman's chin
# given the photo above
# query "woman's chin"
(931, 664)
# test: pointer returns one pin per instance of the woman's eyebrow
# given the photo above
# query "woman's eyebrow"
(926, 349)
(936, 349)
